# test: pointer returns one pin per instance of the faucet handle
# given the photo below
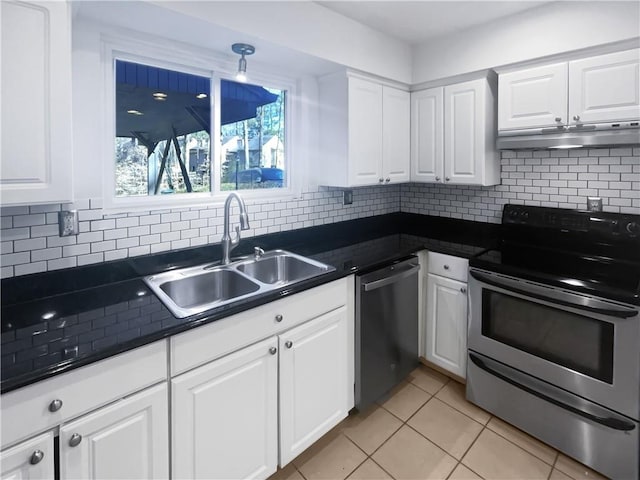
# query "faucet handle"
(236, 241)
(258, 252)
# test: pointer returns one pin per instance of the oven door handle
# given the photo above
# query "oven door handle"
(507, 285)
(611, 422)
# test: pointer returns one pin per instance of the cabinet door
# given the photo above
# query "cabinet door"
(29, 460)
(465, 132)
(605, 88)
(126, 440)
(427, 135)
(35, 133)
(365, 132)
(314, 384)
(446, 330)
(396, 131)
(533, 98)
(225, 414)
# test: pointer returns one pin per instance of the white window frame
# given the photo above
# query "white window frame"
(207, 65)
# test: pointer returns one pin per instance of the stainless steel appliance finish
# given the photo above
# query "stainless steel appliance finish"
(598, 135)
(579, 343)
(386, 329)
(554, 330)
(549, 413)
(193, 290)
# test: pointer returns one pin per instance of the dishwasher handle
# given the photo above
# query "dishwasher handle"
(383, 282)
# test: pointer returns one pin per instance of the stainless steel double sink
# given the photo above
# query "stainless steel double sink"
(196, 289)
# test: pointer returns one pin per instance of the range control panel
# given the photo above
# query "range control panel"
(613, 225)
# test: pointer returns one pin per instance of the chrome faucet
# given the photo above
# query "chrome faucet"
(229, 244)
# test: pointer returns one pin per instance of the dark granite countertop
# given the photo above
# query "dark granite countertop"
(56, 321)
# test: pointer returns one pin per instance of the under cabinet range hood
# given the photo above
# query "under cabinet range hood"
(563, 137)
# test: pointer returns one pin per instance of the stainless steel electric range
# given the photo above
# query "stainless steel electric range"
(554, 332)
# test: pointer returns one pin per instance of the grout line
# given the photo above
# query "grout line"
(522, 448)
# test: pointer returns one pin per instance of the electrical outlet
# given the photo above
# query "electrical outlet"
(594, 204)
(68, 222)
(347, 197)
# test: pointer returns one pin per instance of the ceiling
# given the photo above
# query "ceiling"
(415, 22)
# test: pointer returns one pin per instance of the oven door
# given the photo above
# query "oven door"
(585, 345)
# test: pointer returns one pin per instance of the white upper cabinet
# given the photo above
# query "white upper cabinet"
(533, 98)
(605, 88)
(599, 89)
(36, 138)
(453, 135)
(364, 132)
(427, 137)
(396, 131)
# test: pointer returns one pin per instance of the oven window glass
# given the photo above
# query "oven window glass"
(574, 341)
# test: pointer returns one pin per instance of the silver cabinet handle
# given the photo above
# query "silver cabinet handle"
(576, 118)
(446, 267)
(273, 350)
(463, 290)
(388, 180)
(55, 405)
(36, 457)
(447, 179)
(381, 180)
(558, 119)
(437, 179)
(288, 344)
(75, 440)
(279, 318)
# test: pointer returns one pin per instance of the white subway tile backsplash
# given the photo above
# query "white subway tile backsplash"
(557, 179)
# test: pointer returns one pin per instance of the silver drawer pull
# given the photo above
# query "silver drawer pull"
(288, 344)
(55, 405)
(36, 457)
(273, 350)
(279, 318)
(463, 290)
(75, 440)
(446, 267)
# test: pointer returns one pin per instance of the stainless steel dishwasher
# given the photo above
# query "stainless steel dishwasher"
(386, 329)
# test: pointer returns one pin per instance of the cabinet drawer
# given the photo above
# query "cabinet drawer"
(26, 411)
(206, 343)
(448, 266)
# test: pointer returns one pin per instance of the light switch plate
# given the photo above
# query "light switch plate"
(347, 197)
(68, 222)
(594, 204)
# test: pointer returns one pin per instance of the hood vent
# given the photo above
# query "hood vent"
(599, 135)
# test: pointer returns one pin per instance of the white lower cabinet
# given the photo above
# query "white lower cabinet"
(444, 311)
(225, 416)
(29, 460)
(446, 332)
(313, 380)
(125, 440)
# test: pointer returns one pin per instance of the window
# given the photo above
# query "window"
(163, 130)
(252, 124)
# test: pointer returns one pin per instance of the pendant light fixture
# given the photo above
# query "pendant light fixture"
(242, 49)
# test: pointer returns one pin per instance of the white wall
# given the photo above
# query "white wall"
(308, 28)
(550, 29)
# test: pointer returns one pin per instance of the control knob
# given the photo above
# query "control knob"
(633, 228)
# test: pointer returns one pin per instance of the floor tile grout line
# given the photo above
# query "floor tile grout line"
(522, 448)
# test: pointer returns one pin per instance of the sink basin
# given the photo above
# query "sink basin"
(196, 289)
(279, 267)
(210, 287)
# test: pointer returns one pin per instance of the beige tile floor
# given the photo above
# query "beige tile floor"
(425, 430)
